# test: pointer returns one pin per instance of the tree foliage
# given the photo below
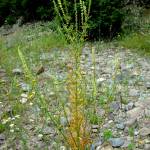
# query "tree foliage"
(106, 16)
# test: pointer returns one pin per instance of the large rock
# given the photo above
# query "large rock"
(117, 142)
(144, 131)
(133, 115)
(143, 103)
(147, 147)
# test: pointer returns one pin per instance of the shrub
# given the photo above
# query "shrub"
(30, 10)
(133, 20)
(10, 20)
(106, 18)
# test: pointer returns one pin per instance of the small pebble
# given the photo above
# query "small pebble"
(120, 126)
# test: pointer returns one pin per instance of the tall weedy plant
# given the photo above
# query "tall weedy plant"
(75, 33)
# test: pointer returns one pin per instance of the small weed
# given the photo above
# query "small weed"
(131, 146)
(107, 134)
(2, 128)
(131, 132)
(94, 119)
(138, 42)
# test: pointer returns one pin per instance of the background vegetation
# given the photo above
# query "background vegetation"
(106, 17)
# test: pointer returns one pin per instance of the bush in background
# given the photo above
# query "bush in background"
(31, 10)
(106, 18)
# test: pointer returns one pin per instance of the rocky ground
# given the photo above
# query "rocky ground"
(121, 75)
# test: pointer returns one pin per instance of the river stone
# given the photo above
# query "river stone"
(134, 93)
(144, 131)
(126, 143)
(147, 112)
(135, 113)
(115, 106)
(25, 87)
(46, 56)
(48, 130)
(95, 126)
(2, 73)
(147, 147)
(143, 103)
(100, 112)
(17, 71)
(136, 132)
(96, 145)
(120, 126)
(100, 81)
(2, 139)
(108, 147)
(63, 121)
(147, 85)
(144, 123)
(129, 106)
(116, 142)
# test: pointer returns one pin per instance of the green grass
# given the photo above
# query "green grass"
(32, 40)
(138, 42)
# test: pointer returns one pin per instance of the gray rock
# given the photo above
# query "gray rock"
(115, 106)
(94, 130)
(144, 131)
(63, 121)
(130, 66)
(143, 103)
(48, 130)
(111, 116)
(120, 126)
(130, 122)
(123, 76)
(100, 81)
(46, 56)
(2, 73)
(134, 93)
(134, 114)
(108, 147)
(148, 85)
(126, 143)
(100, 112)
(147, 147)
(147, 112)
(136, 132)
(117, 142)
(17, 71)
(144, 123)
(25, 87)
(2, 139)
(95, 126)
(129, 106)
(96, 144)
